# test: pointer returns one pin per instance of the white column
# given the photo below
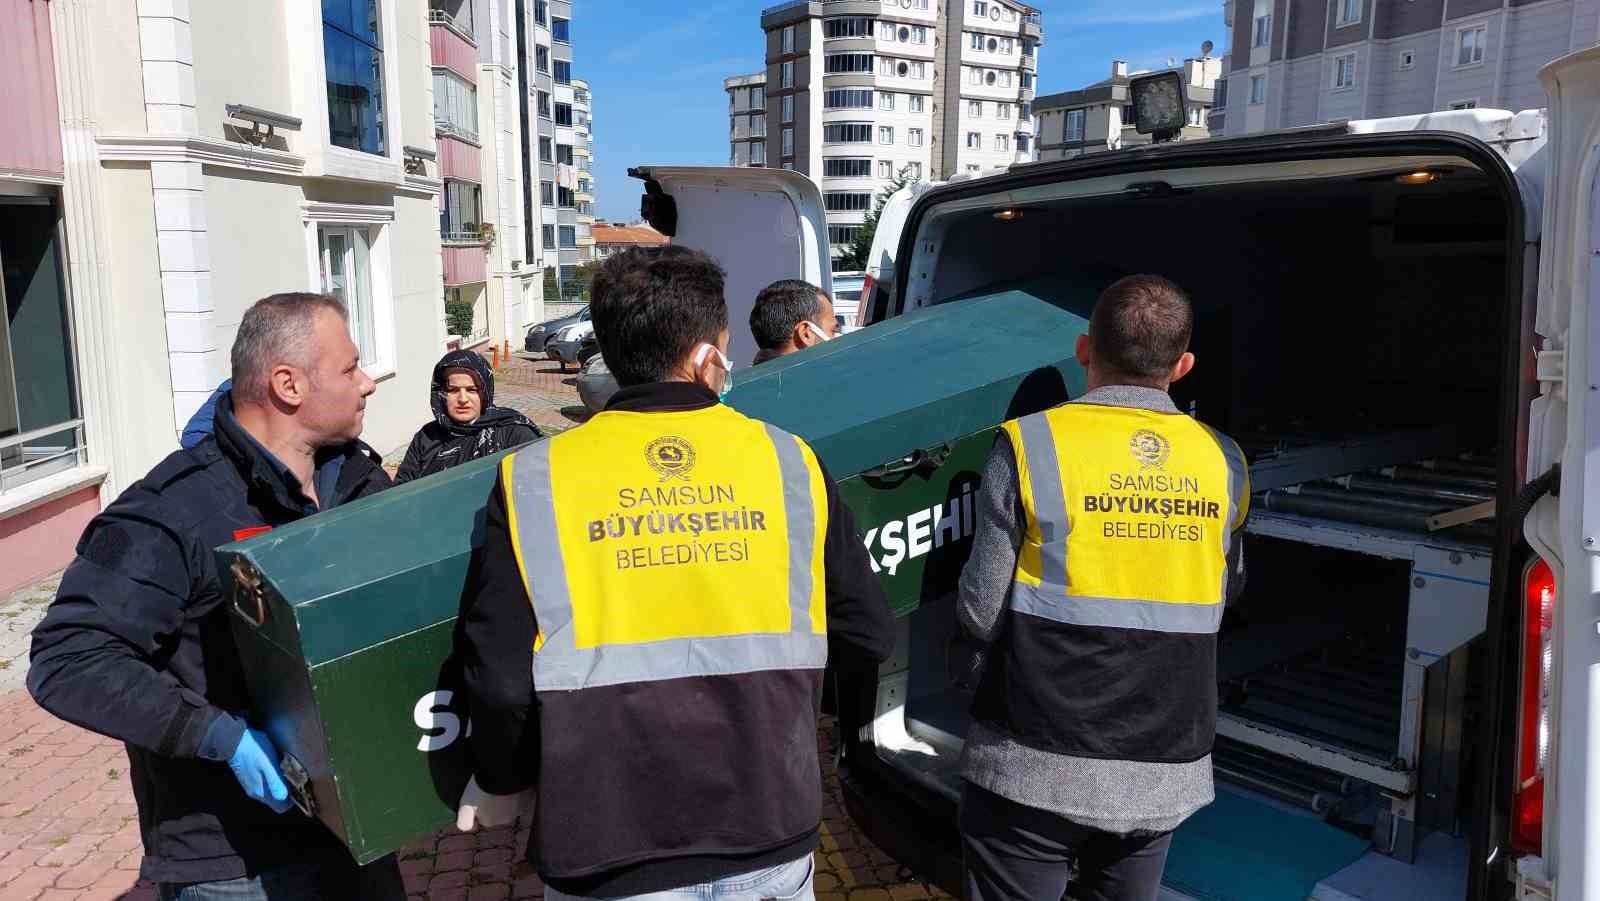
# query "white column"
(167, 54)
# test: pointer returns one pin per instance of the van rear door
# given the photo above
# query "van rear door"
(1565, 530)
(760, 224)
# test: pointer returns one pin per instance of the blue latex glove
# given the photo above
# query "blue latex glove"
(255, 765)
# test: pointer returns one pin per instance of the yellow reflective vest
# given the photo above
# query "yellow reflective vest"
(1120, 583)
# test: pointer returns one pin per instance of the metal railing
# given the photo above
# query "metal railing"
(446, 127)
(440, 17)
(461, 237)
(1032, 19)
(37, 458)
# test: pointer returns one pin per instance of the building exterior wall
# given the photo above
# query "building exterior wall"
(1407, 58)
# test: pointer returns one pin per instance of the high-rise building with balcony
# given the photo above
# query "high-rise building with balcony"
(484, 53)
(583, 162)
(747, 119)
(860, 91)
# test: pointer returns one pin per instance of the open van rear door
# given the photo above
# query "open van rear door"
(760, 224)
(1563, 707)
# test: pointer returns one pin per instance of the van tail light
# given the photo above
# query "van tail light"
(864, 307)
(1533, 711)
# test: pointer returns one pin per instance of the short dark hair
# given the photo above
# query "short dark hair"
(651, 306)
(276, 329)
(779, 308)
(1140, 327)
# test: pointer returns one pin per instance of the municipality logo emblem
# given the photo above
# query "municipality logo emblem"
(1150, 449)
(670, 456)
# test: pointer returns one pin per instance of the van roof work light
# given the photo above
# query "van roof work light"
(1159, 105)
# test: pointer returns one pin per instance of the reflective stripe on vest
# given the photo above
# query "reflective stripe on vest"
(628, 579)
(1153, 497)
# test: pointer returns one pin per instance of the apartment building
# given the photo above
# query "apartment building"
(483, 54)
(747, 119)
(1300, 62)
(583, 163)
(858, 91)
(165, 165)
(1099, 117)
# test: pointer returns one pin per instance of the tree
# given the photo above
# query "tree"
(861, 247)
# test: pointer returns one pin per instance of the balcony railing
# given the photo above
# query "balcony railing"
(38, 453)
(446, 127)
(461, 237)
(1032, 19)
(440, 17)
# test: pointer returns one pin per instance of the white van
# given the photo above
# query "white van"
(1396, 320)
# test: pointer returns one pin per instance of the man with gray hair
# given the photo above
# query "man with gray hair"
(137, 644)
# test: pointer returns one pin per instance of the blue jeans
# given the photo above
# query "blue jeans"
(786, 882)
(313, 879)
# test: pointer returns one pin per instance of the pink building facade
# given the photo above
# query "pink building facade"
(48, 490)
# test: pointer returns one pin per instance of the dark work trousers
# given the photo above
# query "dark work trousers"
(1018, 853)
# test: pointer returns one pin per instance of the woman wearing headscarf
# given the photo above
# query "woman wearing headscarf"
(466, 423)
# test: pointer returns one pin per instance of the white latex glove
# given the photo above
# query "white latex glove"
(479, 808)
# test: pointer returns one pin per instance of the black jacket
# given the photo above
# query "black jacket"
(639, 796)
(138, 646)
(444, 442)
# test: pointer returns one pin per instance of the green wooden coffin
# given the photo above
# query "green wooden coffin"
(344, 620)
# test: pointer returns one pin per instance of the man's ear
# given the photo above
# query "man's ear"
(801, 336)
(287, 385)
(1084, 351)
(1182, 367)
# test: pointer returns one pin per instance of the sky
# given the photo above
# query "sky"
(655, 68)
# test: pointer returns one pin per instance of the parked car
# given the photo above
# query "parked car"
(596, 384)
(540, 334)
(1389, 316)
(566, 346)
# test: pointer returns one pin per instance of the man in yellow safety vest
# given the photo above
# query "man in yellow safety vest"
(658, 592)
(1108, 542)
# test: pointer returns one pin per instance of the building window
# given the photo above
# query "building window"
(975, 109)
(547, 193)
(1408, 59)
(41, 430)
(1072, 130)
(352, 50)
(914, 170)
(788, 142)
(1469, 45)
(541, 11)
(974, 140)
(1349, 13)
(914, 137)
(885, 31)
(919, 70)
(917, 101)
(885, 134)
(787, 76)
(758, 153)
(758, 98)
(544, 104)
(843, 234)
(980, 8)
(346, 255)
(786, 107)
(563, 72)
(885, 169)
(758, 125)
(788, 39)
(546, 153)
(974, 40)
(886, 66)
(846, 98)
(455, 105)
(847, 133)
(974, 76)
(1219, 100)
(846, 167)
(1464, 104)
(1344, 71)
(1002, 143)
(919, 34)
(548, 234)
(564, 114)
(886, 100)
(972, 168)
(541, 58)
(847, 27)
(1258, 89)
(565, 198)
(564, 154)
(846, 202)
(561, 30)
(1026, 78)
(788, 165)
(1002, 110)
(1008, 46)
(1263, 32)
(1022, 144)
(568, 235)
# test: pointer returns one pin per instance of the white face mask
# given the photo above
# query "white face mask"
(817, 330)
(722, 360)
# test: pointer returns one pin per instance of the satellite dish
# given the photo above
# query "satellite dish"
(1205, 49)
